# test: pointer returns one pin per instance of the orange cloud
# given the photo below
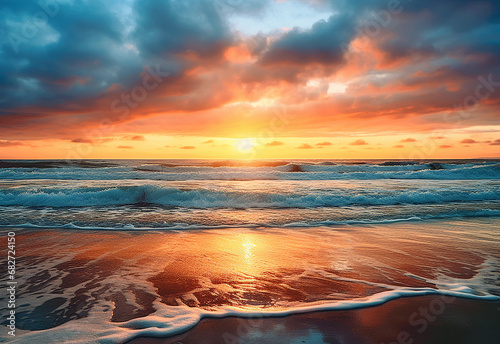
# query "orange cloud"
(11, 143)
(134, 138)
(274, 143)
(468, 141)
(358, 143)
(81, 140)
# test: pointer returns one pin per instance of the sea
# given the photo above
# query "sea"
(111, 250)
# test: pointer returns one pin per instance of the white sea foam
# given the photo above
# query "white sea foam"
(310, 172)
(168, 320)
(203, 198)
(188, 226)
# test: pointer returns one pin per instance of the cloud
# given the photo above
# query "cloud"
(468, 141)
(445, 146)
(188, 147)
(11, 143)
(437, 137)
(208, 141)
(322, 44)
(398, 146)
(305, 146)
(325, 143)
(134, 138)
(169, 28)
(97, 142)
(358, 143)
(426, 58)
(81, 140)
(274, 143)
(495, 143)
(125, 147)
(408, 140)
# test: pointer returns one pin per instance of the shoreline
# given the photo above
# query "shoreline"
(414, 319)
(323, 285)
(127, 228)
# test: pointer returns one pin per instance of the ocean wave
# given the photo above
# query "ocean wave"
(34, 164)
(288, 171)
(304, 224)
(204, 198)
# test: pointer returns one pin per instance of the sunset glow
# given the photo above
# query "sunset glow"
(288, 74)
(250, 171)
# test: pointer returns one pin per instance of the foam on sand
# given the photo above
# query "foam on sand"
(168, 321)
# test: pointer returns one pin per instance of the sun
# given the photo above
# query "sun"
(244, 145)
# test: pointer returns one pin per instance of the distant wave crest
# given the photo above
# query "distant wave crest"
(263, 171)
(204, 198)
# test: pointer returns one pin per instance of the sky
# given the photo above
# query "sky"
(249, 79)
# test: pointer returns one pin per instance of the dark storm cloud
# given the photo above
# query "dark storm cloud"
(322, 44)
(173, 27)
(60, 53)
(55, 53)
(64, 63)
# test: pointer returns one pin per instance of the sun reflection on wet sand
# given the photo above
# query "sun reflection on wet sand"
(251, 268)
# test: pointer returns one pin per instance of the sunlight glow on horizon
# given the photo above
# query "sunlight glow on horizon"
(245, 145)
(251, 80)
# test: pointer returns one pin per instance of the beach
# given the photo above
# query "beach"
(117, 254)
(250, 172)
(459, 321)
(359, 284)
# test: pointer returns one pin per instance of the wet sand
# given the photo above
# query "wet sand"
(415, 320)
(101, 281)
